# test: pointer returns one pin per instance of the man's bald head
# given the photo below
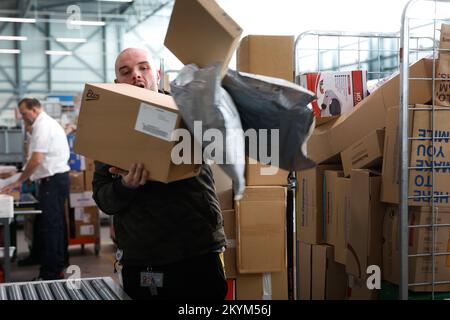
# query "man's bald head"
(133, 67)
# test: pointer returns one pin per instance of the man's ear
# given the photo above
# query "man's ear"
(115, 81)
(158, 76)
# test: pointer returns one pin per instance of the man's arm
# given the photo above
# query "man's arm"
(114, 194)
(31, 166)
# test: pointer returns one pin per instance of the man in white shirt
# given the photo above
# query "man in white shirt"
(47, 164)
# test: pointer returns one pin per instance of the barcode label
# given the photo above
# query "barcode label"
(157, 122)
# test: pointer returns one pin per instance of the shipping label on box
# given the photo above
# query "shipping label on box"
(82, 199)
(87, 230)
(337, 92)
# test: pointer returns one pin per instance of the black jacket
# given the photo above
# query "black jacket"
(160, 223)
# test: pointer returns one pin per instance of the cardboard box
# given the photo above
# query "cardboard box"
(76, 181)
(310, 204)
(81, 199)
(201, 32)
(261, 230)
(267, 286)
(229, 224)
(271, 56)
(337, 92)
(254, 176)
(343, 196)
(121, 124)
(329, 209)
(89, 226)
(305, 269)
(419, 241)
(224, 187)
(89, 174)
(328, 140)
(421, 154)
(366, 223)
(329, 280)
(366, 153)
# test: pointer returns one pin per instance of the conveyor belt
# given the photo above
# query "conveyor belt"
(84, 289)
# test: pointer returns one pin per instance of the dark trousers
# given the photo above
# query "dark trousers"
(50, 231)
(197, 278)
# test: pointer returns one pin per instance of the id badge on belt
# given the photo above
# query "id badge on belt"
(152, 280)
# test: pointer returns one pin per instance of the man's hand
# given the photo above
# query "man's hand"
(135, 177)
(9, 188)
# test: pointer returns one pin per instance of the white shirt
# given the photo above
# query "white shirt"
(49, 138)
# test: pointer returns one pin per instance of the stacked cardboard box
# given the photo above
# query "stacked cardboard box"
(340, 201)
(262, 270)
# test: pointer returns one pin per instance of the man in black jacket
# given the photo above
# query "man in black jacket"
(170, 237)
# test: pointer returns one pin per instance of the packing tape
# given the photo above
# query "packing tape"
(267, 286)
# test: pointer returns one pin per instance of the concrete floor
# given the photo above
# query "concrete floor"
(90, 264)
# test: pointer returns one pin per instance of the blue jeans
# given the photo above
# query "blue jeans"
(50, 227)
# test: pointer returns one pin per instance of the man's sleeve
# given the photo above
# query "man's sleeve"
(110, 194)
(40, 139)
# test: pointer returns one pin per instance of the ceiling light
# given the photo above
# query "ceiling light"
(58, 53)
(13, 38)
(15, 51)
(87, 23)
(23, 20)
(71, 40)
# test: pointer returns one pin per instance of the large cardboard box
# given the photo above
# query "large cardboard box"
(420, 240)
(329, 280)
(366, 153)
(121, 124)
(337, 92)
(265, 286)
(329, 209)
(310, 204)
(366, 223)
(261, 230)
(254, 175)
(76, 181)
(421, 159)
(305, 268)
(271, 56)
(328, 140)
(224, 187)
(201, 32)
(229, 224)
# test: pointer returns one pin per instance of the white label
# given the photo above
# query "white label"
(156, 121)
(82, 199)
(87, 230)
(86, 217)
(79, 214)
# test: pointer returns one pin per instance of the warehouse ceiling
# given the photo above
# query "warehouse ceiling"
(110, 11)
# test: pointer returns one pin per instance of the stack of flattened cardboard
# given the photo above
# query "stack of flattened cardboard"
(339, 203)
